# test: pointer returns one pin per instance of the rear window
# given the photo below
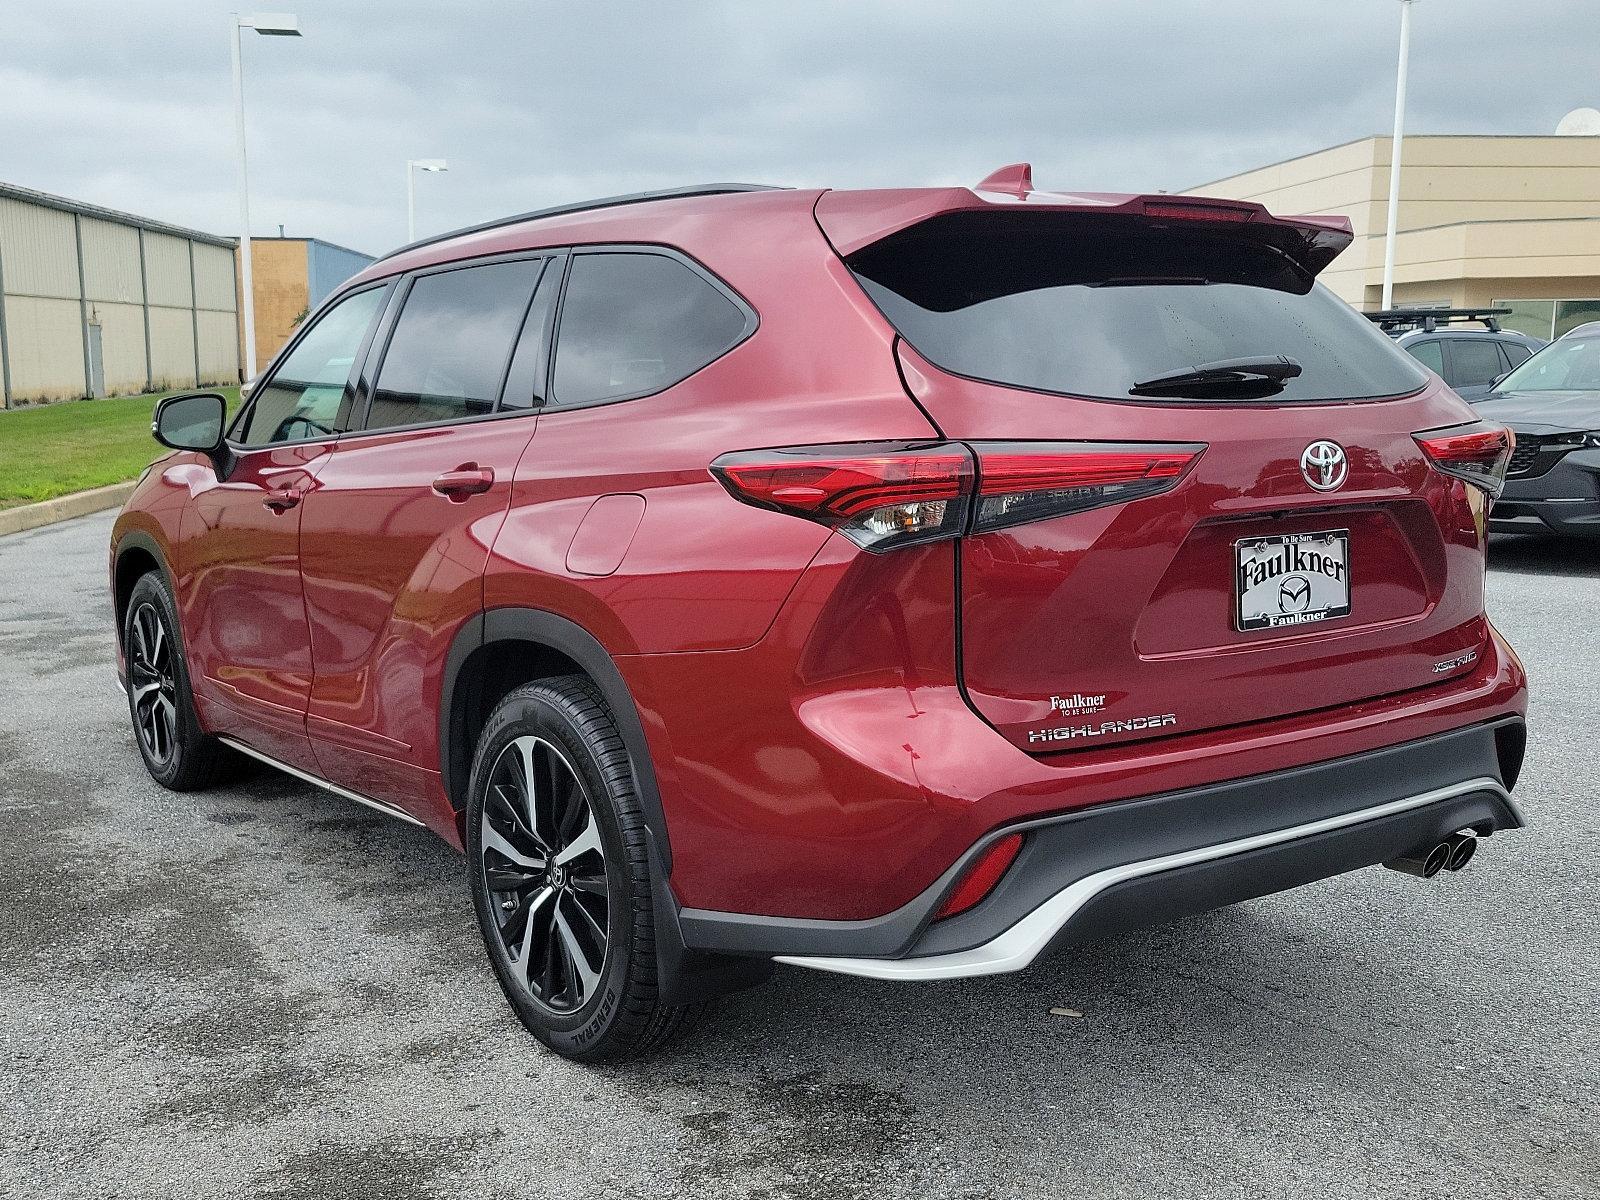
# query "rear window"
(1092, 306)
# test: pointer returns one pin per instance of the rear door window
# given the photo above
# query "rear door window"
(1092, 306)
(1473, 362)
(634, 323)
(449, 350)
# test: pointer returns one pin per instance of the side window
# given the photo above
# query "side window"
(448, 353)
(635, 323)
(1473, 361)
(1429, 354)
(307, 396)
(526, 379)
(1516, 353)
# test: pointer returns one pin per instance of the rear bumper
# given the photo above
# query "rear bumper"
(1140, 862)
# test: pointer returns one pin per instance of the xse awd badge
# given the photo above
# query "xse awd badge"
(1451, 664)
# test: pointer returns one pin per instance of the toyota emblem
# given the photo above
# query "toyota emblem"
(1324, 465)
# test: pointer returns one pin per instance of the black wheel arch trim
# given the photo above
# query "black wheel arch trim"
(546, 629)
(685, 975)
(137, 539)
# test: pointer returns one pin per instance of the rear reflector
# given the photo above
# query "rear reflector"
(981, 877)
(1477, 453)
(887, 494)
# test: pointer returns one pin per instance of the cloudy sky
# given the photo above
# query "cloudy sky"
(533, 102)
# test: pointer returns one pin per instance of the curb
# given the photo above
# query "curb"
(63, 508)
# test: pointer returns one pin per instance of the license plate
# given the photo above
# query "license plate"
(1292, 579)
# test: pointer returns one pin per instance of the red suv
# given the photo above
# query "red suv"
(903, 583)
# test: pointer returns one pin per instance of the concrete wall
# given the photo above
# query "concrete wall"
(71, 272)
(1471, 209)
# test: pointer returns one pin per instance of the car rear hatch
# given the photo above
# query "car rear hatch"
(1222, 545)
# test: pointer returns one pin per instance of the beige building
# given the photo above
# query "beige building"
(97, 303)
(1512, 222)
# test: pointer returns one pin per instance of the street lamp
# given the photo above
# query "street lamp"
(273, 25)
(1394, 153)
(434, 165)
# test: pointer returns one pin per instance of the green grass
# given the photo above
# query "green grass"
(55, 449)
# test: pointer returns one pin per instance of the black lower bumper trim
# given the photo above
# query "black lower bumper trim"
(1059, 851)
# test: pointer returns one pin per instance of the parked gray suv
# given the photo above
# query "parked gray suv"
(1469, 360)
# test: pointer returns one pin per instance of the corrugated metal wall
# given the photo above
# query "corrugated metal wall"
(43, 320)
(159, 307)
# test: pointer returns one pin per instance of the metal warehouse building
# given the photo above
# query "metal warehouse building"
(95, 302)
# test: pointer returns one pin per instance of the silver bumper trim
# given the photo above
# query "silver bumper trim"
(387, 810)
(1018, 946)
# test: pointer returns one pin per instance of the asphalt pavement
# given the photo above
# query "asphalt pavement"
(267, 991)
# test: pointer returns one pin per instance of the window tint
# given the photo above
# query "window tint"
(309, 393)
(1473, 361)
(1092, 306)
(448, 352)
(1429, 354)
(1516, 353)
(632, 324)
(525, 382)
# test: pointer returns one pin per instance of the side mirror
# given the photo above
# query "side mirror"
(1498, 380)
(194, 422)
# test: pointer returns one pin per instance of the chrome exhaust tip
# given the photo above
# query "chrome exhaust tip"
(1462, 847)
(1425, 862)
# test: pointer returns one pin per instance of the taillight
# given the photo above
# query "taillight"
(1477, 453)
(887, 494)
(878, 494)
(1020, 482)
(981, 876)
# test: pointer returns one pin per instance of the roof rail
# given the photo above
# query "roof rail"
(1391, 320)
(561, 210)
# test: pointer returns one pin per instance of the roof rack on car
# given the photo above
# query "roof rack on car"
(561, 210)
(1397, 320)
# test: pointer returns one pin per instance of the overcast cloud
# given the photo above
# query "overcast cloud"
(128, 105)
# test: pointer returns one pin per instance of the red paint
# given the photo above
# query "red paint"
(819, 752)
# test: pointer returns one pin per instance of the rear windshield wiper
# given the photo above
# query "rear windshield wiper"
(1263, 374)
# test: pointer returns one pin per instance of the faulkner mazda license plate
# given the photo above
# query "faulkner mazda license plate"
(1292, 579)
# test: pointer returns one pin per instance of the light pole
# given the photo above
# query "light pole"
(434, 165)
(275, 25)
(1394, 152)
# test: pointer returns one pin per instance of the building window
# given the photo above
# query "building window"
(1547, 319)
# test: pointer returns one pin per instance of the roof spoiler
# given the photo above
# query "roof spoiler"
(854, 220)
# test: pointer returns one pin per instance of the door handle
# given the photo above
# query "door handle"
(468, 479)
(283, 499)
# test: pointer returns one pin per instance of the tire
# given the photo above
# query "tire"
(178, 754)
(566, 876)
